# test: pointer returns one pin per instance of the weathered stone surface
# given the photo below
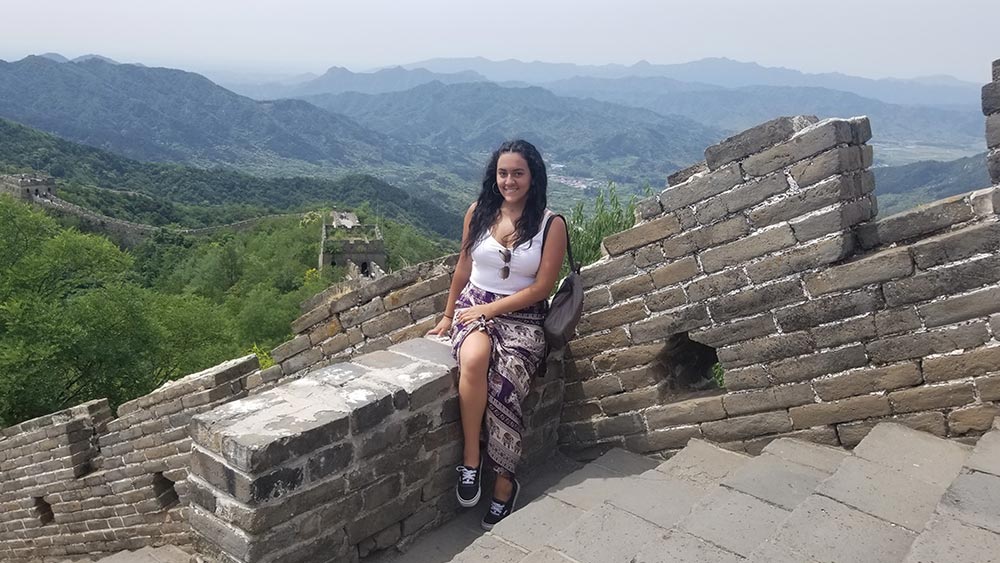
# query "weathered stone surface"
(808, 142)
(924, 219)
(882, 266)
(852, 433)
(596, 298)
(691, 411)
(756, 299)
(855, 408)
(996, 70)
(631, 401)
(739, 198)
(717, 284)
(957, 245)
(753, 377)
(641, 235)
(663, 439)
(733, 520)
(956, 309)
(737, 331)
(993, 131)
(826, 309)
(991, 98)
(944, 538)
(776, 480)
(758, 244)
(647, 208)
(621, 425)
(681, 546)
(766, 349)
(668, 324)
(600, 387)
(938, 341)
(841, 188)
(972, 499)
(702, 187)
(290, 348)
(302, 360)
(362, 313)
(769, 399)
(858, 329)
(989, 388)
(890, 495)
(681, 176)
(618, 360)
(384, 324)
(861, 382)
(665, 299)
(832, 162)
(801, 258)
(416, 291)
(675, 272)
(710, 236)
(817, 364)
(751, 426)
(895, 321)
(625, 289)
(839, 218)
(649, 255)
(756, 139)
(616, 316)
(993, 165)
(974, 363)
(607, 270)
(977, 418)
(309, 319)
(932, 397)
(588, 346)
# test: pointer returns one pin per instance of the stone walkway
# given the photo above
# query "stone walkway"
(900, 496)
(165, 554)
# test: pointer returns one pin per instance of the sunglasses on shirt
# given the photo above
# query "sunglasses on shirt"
(505, 270)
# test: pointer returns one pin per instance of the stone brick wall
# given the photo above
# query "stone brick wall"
(991, 109)
(77, 483)
(351, 458)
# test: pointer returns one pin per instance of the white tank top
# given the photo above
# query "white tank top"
(487, 261)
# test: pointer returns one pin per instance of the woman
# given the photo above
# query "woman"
(497, 304)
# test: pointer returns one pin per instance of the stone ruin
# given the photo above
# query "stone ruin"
(345, 241)
(764, 259)
(28, 187)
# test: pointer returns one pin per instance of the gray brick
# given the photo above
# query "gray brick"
(416, 291)
(756, 299)
(742, 197)
(631, 401)
(951, 280)
(832, 162)
(641, 235)
(619, 315)
(996, 70)
(675, 272)
(766, 349)
(596, 298)
(826, 309)
(937, 341)
(756, 139)
(993, 131)
(607, 270)
(932, 397)
(628, 288)
(712, 235)
(588, 346)
(955, 309)
(852, 433)
(991, 98)
(882, 266)
(854, 408)
(925, 219)
(699, 188)
(669, 324)
(737, 331)
(977, 418)
(821, 363)
(769, 399)
(290, 348)
(384, 324)
(621, 425)
(690, 411)
(993, 165)
(758, 244)
(834, 190)
(665, 299)
(894, 321)
(362, 313)
(617, 360)
(716, 284)
(647, 208)
(681, 176)
(317, 315)
(806, 143)
(649, 255)
(840, 218)
(858, 329)
(801, 258)
(752, 377)
(751, 426)
(957, 245)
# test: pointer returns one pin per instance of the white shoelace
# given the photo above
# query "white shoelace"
(468, 475)
(496, 508)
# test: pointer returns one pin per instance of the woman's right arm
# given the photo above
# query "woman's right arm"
(463, 270)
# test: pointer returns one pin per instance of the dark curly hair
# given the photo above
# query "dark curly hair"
(488, 204)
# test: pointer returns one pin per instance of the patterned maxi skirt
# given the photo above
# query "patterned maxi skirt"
(518, 349)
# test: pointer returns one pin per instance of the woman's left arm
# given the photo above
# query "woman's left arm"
(548, 273)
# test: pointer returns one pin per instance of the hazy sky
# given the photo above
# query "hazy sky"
(874, 38)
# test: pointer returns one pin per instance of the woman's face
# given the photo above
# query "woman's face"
(513, 177)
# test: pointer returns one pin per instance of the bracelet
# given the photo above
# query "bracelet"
(447, 317)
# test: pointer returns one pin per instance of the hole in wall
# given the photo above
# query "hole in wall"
(163, 490)
(43, 511)
(689, 366)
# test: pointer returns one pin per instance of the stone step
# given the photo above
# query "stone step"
(610, 508)
(966, 522)
(165, 554)
(876, 502)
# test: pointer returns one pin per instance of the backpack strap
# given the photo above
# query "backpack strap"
(573, 266)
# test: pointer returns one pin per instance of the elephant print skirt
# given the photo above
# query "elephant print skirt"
(518, 349)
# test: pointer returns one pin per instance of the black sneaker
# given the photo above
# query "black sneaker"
(500, 509)
(467, 489)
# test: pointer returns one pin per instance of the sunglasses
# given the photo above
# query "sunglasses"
(505, 271)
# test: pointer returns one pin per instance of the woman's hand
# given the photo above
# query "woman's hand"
(474, 313)
(441, 329)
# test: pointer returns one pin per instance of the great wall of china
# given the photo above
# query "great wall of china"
(765, 257)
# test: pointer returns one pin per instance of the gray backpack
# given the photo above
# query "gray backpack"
(566, 305)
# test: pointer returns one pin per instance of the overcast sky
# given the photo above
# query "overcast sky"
(872, 38)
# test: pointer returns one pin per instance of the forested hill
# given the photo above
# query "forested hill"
(587, 136)
(159, 114)
(24, 148)
(901, 187)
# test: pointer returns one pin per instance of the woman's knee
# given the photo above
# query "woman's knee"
(475, 353)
